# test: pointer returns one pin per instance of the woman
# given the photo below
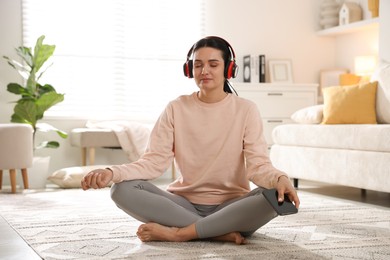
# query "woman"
(216, 139)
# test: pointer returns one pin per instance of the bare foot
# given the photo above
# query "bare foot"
(156, 232)
(234, 237)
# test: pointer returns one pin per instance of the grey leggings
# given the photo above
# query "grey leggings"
(148, 203)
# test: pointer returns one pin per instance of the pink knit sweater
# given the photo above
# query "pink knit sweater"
(218, 148)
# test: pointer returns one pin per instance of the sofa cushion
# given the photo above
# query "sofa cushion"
(382, 75)
(360, 169)
(349, 79)
(308, 115)
(350, 104)
(375, 137)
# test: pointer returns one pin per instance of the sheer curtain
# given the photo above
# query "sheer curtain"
(115, 59)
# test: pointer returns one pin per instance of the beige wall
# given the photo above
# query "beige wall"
(279, 29)
(287, 29)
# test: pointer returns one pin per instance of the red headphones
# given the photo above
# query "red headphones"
(231, 69)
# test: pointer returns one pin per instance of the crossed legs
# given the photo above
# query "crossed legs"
(170, 217)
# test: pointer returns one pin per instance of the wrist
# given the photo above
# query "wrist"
(111, 172)
(277, 181)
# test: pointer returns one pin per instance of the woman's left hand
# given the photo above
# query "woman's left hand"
(284, 187)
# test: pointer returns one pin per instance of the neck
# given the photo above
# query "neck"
(207, 97)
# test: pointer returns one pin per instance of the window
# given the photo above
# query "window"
(115, 59)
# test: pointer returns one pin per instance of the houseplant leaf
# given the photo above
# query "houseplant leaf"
(16, 89)
(46, 101)
(45, 127)
(23, 70)
(46, 88)
(48, 144)
(42, 53)
(25, 112)
(26, 55)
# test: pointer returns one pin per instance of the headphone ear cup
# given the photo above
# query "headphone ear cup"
(187, 67)
(234, 70)
(231, 70)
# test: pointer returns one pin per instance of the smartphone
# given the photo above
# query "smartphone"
(282, 208)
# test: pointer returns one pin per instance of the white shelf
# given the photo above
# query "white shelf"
(277, 102)
(350, 28)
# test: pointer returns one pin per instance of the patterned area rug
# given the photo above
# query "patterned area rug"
(74, 224)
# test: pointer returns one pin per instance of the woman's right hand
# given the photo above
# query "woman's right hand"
(97, 179)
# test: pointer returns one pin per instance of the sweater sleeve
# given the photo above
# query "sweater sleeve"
(260, 170)
(157, 157)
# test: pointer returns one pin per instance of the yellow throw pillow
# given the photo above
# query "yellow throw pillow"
(349, 79)
(350, 104)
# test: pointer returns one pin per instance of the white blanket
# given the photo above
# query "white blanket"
(132, 136)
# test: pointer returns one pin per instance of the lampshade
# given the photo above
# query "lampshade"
(365, 65)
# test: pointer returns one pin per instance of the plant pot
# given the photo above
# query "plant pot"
(38, 173)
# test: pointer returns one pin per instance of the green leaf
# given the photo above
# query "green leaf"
(62, 134)
(42, 72)
(31, 83)
(42, 53)
(26, 55)
(16, 89)
(15, 118)
(24, 71)
(46, 88)
(25, 111)
(15, 64)
(48, 144)
(48, 100)
(44, 127)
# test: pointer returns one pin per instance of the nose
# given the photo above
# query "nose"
(204, 70)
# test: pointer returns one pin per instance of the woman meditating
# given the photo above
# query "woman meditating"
(216, 139)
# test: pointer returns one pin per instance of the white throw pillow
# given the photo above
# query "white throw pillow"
(382, 75)
(309, 115)
(71, 177)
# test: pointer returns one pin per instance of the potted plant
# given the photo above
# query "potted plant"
(35, 99)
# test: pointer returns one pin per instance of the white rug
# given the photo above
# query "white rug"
(74, 224)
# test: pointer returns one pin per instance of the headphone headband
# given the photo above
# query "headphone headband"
(231, 68)
(232, 54)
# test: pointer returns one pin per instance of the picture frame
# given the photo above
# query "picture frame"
(280, 71)
(331, 77)
(247, 68)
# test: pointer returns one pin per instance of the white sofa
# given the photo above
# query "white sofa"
(355, 155)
